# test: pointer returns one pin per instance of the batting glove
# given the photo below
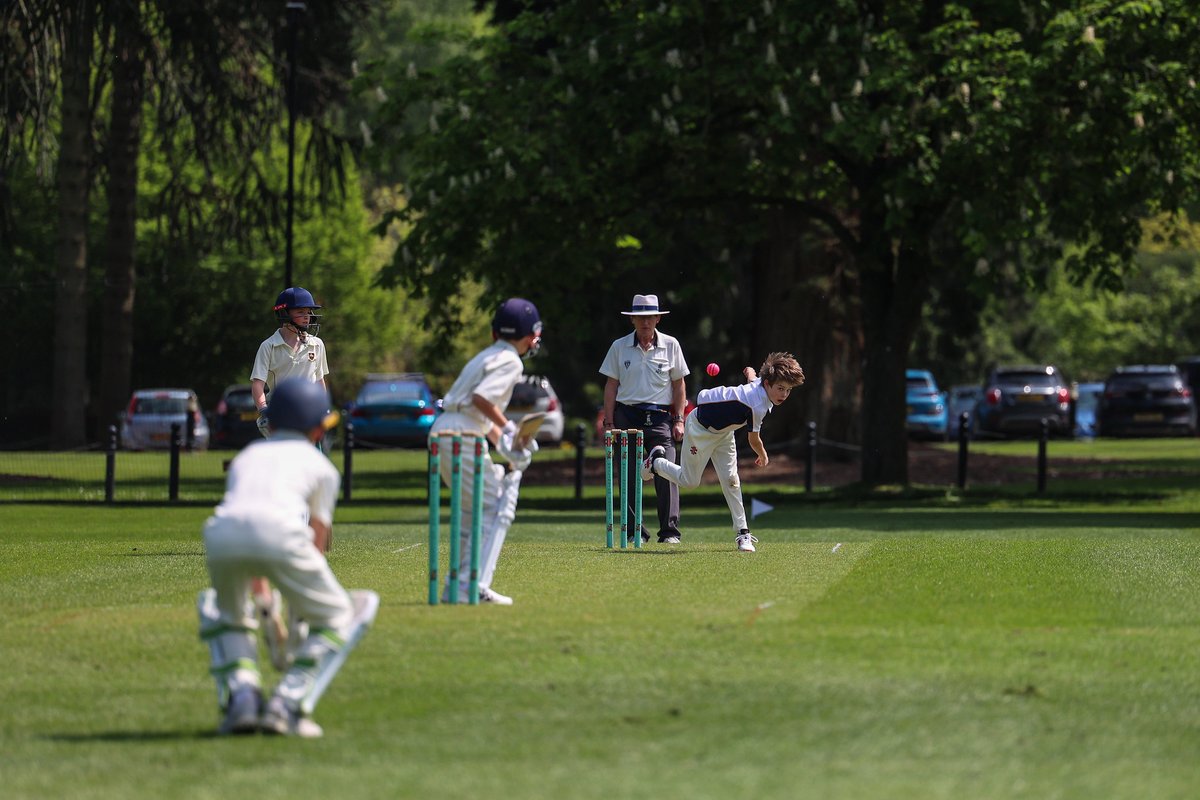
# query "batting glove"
(263, 425)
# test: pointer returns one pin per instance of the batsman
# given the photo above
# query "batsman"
(274, 520)
(475, 405)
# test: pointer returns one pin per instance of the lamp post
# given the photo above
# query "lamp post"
(294, 10)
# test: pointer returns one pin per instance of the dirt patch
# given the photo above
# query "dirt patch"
(926, 465)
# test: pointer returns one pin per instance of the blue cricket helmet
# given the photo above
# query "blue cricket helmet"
(298, 404)
(516, 318)
(297, 297)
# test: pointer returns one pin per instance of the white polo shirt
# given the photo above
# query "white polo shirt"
(727, 408)
(645, 376)
(283, 477)
(275, 361)
(491, 374)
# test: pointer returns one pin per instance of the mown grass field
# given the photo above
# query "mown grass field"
(919, 643)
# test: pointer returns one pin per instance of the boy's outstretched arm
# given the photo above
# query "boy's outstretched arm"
(756, 444)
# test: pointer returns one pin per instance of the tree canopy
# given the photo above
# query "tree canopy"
(930, 142)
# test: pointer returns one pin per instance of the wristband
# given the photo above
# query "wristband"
(676, 418)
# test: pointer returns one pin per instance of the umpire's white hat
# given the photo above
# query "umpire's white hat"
(644, 305)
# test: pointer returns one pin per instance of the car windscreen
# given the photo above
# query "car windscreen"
(240, 401)
(399, 392)
(1040, 379)
(161, 405)
(1154, 381)
(526, 394)
(920, 384)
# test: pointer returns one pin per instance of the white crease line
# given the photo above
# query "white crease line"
(835, 547)
(410, 547)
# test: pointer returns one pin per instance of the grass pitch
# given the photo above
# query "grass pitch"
(912, 647)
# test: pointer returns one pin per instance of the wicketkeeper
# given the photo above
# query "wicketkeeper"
(274, 520)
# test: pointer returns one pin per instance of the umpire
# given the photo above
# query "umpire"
(645, 389)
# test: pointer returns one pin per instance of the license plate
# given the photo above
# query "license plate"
(393, 416)
(247, 416)
(160, 437)
(1147, 417)
(1029, 398)
(910, 410)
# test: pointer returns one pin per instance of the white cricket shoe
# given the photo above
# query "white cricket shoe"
(279, 719)
(242, 714)
(487, 595)
(745, 541)
(669, 540)
(658, 451)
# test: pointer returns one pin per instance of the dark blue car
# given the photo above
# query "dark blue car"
(393, 410)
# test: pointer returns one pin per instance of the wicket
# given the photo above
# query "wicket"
(622, 437)
(435, 510)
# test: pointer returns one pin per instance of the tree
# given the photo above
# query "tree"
(932, 143)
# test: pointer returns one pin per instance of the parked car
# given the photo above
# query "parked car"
(1145, 400)
(534, 393)
(926, 405)
(1087, 401)
(1017, 398)
(146, 422)
(394, 409)
(235, 419)
(960, 398)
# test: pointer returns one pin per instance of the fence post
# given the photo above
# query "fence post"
(963, 437)
(1041, 467)
(110, 465)
(348, 462)
(189, 441)
(810, 457)
(580, 447)
(176, 444)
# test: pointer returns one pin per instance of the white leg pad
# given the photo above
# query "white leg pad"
(233, 648)
(323, 653)
(495, 532)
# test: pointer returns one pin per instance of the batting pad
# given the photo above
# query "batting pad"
(366, 606)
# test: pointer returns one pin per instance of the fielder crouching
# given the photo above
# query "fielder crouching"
(274, 521)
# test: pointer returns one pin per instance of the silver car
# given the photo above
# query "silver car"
(146, 422)
(535, 393)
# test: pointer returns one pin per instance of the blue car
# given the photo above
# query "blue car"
(927, 416)
(393, 410)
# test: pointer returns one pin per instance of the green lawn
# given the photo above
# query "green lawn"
(912, 645)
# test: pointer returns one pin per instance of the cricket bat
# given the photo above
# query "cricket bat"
(528, 428)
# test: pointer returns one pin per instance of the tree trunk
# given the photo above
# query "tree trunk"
(894, 287)
(69, 395)
(806, 302)
(116, 351)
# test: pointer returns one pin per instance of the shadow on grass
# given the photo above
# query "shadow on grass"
(133, 736)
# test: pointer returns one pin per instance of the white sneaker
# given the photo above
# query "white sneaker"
(278, 718)
(242, 714)
(745, 541)
(658, 451)
(487, 595)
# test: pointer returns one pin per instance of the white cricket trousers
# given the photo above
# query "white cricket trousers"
(499, 509)
(699, 446)
(239, 548)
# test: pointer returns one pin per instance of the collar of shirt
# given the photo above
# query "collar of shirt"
(653, 342)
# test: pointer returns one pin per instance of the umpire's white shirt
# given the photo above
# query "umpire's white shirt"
(645, 376)
(275, 361)
(491, 374)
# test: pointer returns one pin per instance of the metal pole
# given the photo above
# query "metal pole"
(811, 460)
(294, 10)
(348, 462)
(580, 447)
(110, 465)
(1041, 478)
(963, 437)
(176, 444)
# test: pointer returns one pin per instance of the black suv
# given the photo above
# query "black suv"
(1016, 399)
(1148, 400)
